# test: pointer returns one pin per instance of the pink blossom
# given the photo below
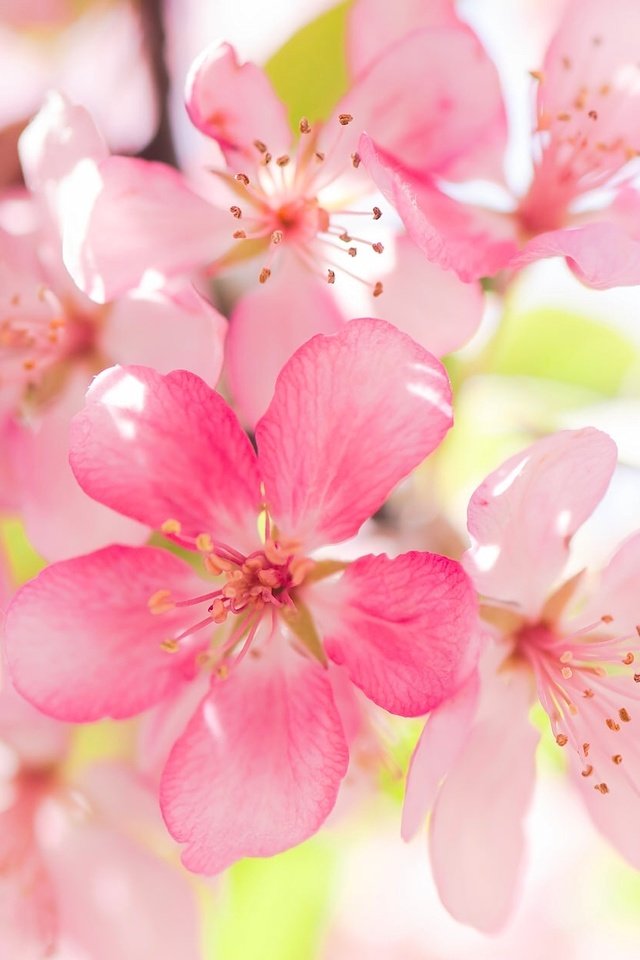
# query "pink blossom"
(584, 157)
(258, 765)
(569, 643)
(54, 339)
(301, 208)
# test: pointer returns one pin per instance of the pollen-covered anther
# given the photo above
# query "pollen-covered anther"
(277, 236)
(593, 114)
(378, 289)
(377, 248)
(376, 213)
(242, 178)
(636, 677)
(585, 749)
(331, 278)
(606, 618)
(171, 526)
(239, 235)
(218, 611)
(356, 160)
(588, 693)
(345, 237)
(611, 723)
(628, 659)
(170, 645)
(304, 126)
(537, 75)
(344, 119)
(217, 565)
(236, 211)
(260, 145)
(601, 788)
(623, 713)
(319, 156)
(617, 758)
(562, 739)
(352, 251)
(283, 160)
(160, 602)
(588, 770)
(265, 273)
(204, 543)
(564, 116)
(567, 673)
(266, 159)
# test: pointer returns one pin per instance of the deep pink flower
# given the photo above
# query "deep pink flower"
(571, 644)
(585, 156)
(53, 339)
(259, 764)
(301, 208)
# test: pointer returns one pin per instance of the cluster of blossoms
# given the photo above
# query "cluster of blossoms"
(251, 646)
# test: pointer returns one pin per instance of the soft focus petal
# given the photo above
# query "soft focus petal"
(615, 593)
(80, 641)
(432, 305)
(352, 415)
(167, 329)
(35, 740)
(236, 105)
(522, 517)
(167, 447)
(456, 236)
(258, 768)
(405, 629)
(373, 25)
(476, 839)
(125, 217)
(451, 123)
(267, 327)
(61, 520)
(436, 752)
(601, 254)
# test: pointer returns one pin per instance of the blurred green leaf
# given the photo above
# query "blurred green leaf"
(309, 72)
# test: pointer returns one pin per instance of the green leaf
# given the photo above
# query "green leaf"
(309, 72)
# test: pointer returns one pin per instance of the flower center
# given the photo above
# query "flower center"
(295, 201)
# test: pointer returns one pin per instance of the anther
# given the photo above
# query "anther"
(242, 178)
(562, 739)
(331, 278)
(623, 713)
(588, 693)
(377, 213)
(593, 114)
(277, 236)
(236, 211)
(160, 602)
(239, 235)
(355, 159)
(564, 117)
(566, 657)
(636, 677)
(344, 119)
(352, 251)
(537, 75)
(204, 543)
(171, 526)
(601, 788)
(345, 237)
(283, 160)
(319, 156)
(304, 126)
(265, 273)
(260, 145)
(377, 247)
(606, 618)
(378, 289)
(617, 758)
(588, 770)
(585, 749)
(170, 646)
(628, 659)
(612, 724)
(266, 159)
(567, 673)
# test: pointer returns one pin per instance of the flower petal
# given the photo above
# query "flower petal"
(405, 629)
(127, 216)
(441, 742)
(167, 447)
(601, 255)
(258, 768)
(476, 840)
(616, 592)
(80, 641)
(267, 327)
(472, 242)
(522, 517)
(236, 105)
(339, 403)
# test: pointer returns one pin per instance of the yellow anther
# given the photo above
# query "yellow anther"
(170, 646)
(567, 673)
(171, 526)
(160, 602)
(204, 543)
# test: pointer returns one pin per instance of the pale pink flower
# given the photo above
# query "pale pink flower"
(571, 644)
(585, 155)
(301, 208)
(258, 767)
(53, 339)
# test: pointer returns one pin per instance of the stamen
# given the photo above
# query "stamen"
(588, 770)
(344, 119)
(377, 213)
(331, 278)
(378, 289)
(562, 739)
(304, 126)
(171, 526)
(265, 273)
(628, 660)
(623, 713)
(170, 646)
(260, 146)
(612, 724)
(601, 788)
(242, 178)
(617, 758)
(160, 602)
(236, 211)
(283, 160)
(356, 160)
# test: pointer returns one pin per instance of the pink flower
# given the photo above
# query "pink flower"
(571, 644)
(257, 767)
(301, 208)
(53, 339)
(584, 155)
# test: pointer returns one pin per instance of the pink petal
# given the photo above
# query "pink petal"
(167, 447)
(258, 768)
(452, 125)
(601, 254)
(522, 517)
(476, 840)
(405, 629)
(125, 217)
(338, 403)
(235, 104)
(436, 752)
(115, 898)
(372, 25)
(472, 242)
(59, 137)
(35, 740)
(61, 520)
(432, 305)
(81, 643)
(267, 327)
(167, 329)
(615, 593)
